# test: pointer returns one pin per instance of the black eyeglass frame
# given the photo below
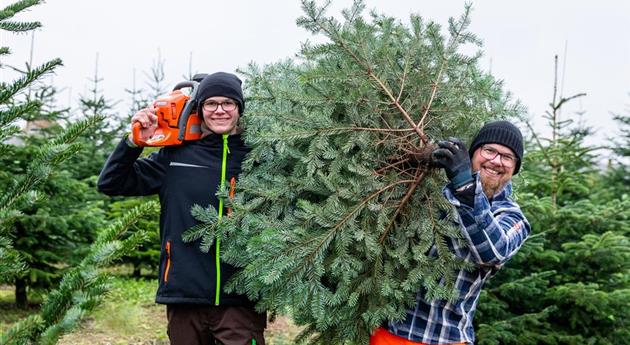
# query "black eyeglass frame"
(230, 103)
(493, 154)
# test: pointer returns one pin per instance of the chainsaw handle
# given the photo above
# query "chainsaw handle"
(186, 83)
(188, 108)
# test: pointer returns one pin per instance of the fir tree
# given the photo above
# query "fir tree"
(156, 78)
(52, 231)
(618, 172)
(20, 191)
(138, 99)
(99, 142)
(338, 203)
(82, 287)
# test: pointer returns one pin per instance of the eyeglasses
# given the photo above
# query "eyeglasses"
(507, 159)
(228, 105)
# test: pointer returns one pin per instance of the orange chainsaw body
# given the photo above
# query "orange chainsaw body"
(177, 119)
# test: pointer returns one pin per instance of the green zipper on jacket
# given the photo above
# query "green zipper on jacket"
(226, 150)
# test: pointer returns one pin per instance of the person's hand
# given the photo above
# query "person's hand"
(148, 123)
(452, 156)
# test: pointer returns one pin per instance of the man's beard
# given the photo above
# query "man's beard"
(491, 188)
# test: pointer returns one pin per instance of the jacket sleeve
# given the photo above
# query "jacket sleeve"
(494, 233)
(125, 174)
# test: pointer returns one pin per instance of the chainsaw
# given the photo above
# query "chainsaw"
(177, 118)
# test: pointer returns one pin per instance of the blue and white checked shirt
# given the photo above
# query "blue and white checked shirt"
(494, 232)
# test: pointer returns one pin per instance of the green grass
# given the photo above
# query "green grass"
(125, 308)
(9, 313)
(128, 315)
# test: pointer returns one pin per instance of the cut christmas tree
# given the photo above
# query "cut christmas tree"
(338, 203)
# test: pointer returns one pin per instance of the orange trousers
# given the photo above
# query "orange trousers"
(383, 337)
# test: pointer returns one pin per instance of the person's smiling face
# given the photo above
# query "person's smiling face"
(220, 114)
(494, 172)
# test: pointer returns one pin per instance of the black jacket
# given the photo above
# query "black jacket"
(182, 176)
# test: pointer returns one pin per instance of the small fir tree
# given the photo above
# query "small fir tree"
(100, 142)
(53, 231)
(155, 78)
(618, 172)
(82, 287)
(50, 232)
(138, 98)
(20, 191)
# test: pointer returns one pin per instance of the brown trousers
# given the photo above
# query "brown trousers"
(190, 324)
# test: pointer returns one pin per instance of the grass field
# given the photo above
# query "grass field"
(128, 315)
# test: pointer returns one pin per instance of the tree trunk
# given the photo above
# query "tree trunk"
(21, 299)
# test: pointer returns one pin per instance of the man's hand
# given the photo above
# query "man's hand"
(148, 123)
(452, 155)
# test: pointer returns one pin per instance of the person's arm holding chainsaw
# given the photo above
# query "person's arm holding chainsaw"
(124, 173)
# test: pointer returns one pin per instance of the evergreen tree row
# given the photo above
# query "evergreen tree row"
(571, 282)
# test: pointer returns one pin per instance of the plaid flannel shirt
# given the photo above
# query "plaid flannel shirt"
(494, 232)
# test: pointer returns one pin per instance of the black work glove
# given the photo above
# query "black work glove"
(452, 155)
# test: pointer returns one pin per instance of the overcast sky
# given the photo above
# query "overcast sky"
(520, 41)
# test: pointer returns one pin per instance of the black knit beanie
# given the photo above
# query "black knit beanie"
(220, 84)
(503, 133)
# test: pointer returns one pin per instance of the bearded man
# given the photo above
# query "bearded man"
(492, 226)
